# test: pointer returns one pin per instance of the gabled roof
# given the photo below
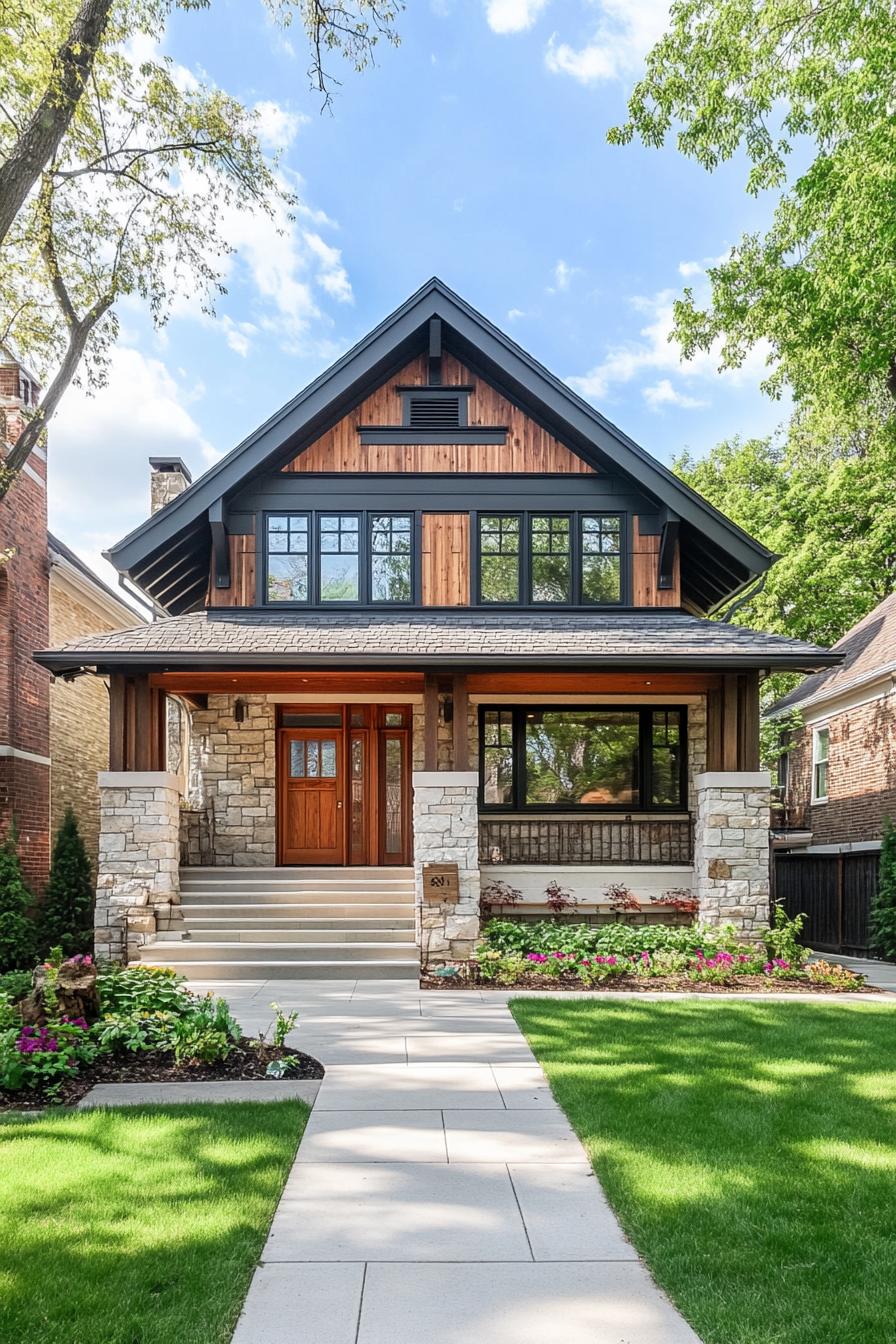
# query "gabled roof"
(868, 653)
(167, 555)
(61, 554)
(240, 639)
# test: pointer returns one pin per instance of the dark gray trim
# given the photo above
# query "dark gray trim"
(400, 434)
(439, 393)
(72, 660)
(171, 464)
(666, 558)
(335, 392)
(220, 544)
(577, 602)
(434, 362)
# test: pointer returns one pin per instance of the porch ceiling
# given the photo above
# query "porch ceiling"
(412, 640)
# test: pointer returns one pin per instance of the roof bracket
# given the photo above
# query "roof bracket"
(435, 351)
(668, 547)
(220, 544)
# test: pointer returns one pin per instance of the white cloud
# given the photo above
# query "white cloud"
(99, 446)
(689, 268)
(563, 276)
(276, 125)
(626, 31)
(664, 394)
(512, 16)
(653, 352)
(514, 314)
(331, 274)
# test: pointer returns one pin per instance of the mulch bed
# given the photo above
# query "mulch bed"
(246, 1060)
(752, 984)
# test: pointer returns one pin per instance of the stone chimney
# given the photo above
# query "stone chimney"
(169, 477)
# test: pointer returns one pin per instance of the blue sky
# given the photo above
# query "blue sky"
(475, 151)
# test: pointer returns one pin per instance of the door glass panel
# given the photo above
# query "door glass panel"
(394, 770)
(297, 760)
(328, 759)
(395, 719)
(357, 767)
(312, 758)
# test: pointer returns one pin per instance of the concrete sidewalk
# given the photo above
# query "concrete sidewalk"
(439, 1193)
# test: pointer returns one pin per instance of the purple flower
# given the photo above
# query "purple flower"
(536, 956)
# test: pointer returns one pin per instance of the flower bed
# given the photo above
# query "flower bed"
(556, 955)
(146, 1027)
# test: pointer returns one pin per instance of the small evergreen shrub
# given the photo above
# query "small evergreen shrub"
(883, 911)
(66, 916)
(17, 940)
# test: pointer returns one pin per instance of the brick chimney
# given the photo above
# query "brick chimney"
(24, 628)
(168, 478)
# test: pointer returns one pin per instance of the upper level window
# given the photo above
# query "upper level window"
(562, 558)
(357, 557)
(821, 742)
(287, 543)
(617, 757)
(390, 557)
(499, 557)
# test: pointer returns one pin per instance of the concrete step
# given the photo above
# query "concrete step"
(317, 937)
(282, 917)
(208, 949)
(269, 968)
(288, 892)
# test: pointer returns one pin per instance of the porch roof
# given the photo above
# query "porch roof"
(419, 639)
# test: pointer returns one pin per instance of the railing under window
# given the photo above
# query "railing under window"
(598, 840)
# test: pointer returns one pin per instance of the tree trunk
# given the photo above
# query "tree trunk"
(42, 135)
(76, 996)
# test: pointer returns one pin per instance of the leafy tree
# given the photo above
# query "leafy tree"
(883, 913)
(17, 940)
(66, 914)
(117, 171)
(824, 502)
(791, 82)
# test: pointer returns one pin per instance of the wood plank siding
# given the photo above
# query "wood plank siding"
(446, 559)
(241, 592)
(529, 447)
(645, 573)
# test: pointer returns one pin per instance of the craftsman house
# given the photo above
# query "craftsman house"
(437, 623)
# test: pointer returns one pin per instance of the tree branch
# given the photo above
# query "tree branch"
(43, 133)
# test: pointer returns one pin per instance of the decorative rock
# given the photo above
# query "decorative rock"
(75, 994)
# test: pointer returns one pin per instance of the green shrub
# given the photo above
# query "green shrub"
(17, 940)
(125, 990)
(15, 984)
(883, 910)
(781, 939)
(44, 1057)
(65, 918)
(614, 939)
(205, 1034)
(136, 1032)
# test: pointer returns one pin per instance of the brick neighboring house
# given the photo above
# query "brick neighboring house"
(838, 778)
(53, 739)
(837, 783)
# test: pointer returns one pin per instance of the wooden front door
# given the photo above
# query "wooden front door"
(310, 788)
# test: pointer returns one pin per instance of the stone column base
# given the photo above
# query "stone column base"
(137, 870)
(731, 849)
(446, 830)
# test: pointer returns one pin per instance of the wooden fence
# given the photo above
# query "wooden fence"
(836, 892)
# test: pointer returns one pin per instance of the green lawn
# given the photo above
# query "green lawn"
(137, 1226)
(749, 1150)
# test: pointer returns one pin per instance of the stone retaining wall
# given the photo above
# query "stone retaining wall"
(235, 766)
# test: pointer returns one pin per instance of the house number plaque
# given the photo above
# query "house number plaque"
(440, 882)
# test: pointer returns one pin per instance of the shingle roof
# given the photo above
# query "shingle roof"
(222, 639)
(867, 651)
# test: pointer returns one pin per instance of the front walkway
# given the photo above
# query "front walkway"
(439, 1193)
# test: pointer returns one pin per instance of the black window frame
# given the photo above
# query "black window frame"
(577, 599)
(309, 555)
(645, 802)
(364, 600)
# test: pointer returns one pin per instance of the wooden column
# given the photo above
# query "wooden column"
(430, 722)
(729, 722)
(748, 721)
(137, 723)
(732, 723)
(459, 723)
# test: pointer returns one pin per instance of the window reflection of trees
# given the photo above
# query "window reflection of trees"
(579, 758)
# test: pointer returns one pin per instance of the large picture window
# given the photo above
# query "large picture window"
(565, 559)
(569, 757)
(331, 558)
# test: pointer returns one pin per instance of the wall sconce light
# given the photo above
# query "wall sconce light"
(239, 711)
(448, 709)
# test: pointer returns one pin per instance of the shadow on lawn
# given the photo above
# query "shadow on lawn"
(750, 1151)
(137, 1226)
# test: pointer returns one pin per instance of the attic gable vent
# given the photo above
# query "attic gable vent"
(442, 412)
